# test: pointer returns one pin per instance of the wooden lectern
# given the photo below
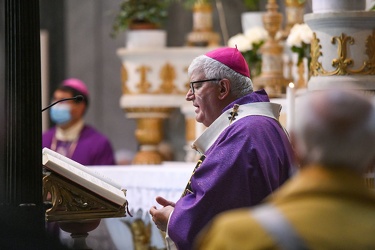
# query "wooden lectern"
(80, 197)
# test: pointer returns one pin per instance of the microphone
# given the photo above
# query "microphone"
(77, 98)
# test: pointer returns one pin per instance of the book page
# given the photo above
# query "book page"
(81, 167)
(84, 179)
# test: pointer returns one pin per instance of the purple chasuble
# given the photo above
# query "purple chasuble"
(249, 160)
(92, 147)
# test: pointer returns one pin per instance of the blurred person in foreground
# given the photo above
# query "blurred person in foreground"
(71, 137)
(327, 204)
(245, 153)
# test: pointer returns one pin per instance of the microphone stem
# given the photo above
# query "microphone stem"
(65, 99)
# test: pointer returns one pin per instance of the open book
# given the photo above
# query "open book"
(83, 176)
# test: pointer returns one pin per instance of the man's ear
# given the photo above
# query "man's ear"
(224, 85)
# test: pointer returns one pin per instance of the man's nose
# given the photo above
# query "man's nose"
(189, 95)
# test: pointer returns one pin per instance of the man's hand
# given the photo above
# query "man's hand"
(161, 216)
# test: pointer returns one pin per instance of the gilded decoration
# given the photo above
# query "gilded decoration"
(124, 79)
(149, 131)
(315, 65)
(294, 11)
(141, 234)
(272, 77)
(187, 84)
(72, 202)
(167, 86)
(148, 158)
(190, 129)
(167, 76)
(143, 86)
(342, 64)
(272, 19)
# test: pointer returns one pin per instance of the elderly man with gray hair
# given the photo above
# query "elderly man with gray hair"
(245, 153)
(326, 205)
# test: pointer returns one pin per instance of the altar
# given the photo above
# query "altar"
(143, 183)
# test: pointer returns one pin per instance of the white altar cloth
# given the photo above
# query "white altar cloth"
(144, 182)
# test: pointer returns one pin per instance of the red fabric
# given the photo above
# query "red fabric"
(232, 58)
(77, 85)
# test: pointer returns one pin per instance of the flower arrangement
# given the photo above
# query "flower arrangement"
(248, 44)
(299, 41)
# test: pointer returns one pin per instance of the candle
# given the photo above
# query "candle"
(290, 97)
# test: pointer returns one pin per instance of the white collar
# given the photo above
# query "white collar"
(71, 133)
(209, 136)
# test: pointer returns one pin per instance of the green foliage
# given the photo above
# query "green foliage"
(141, 11)
(302, 52)
(254, 59)
(252, 5)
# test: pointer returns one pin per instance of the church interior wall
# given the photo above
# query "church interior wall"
(81, 47)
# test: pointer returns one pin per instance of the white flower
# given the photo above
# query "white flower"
(240, 40)
(307, 34)
(256, 34)
(299, 33)
(244, 42)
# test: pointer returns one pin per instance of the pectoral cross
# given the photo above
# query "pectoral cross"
(234, 113)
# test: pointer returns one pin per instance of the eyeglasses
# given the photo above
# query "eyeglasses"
(201, 81)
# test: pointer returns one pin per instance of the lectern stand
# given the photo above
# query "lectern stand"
(76, 209)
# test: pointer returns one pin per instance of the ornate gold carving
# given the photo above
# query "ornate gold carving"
(272, 75)
(202, 34)
(315, 53)
(342, 64)
(141, 234)
(71, 202)
(190, 124)
(295, 3)
(147, 158)
(144, 85)
(202, 6)
(187, 84)
(301, 83)
(167, 76)
(272, 19)
(370, 51)
(124, 79)
(149, 131)
(294, 11)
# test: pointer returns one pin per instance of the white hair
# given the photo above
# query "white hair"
(240, 84)
(335, 128)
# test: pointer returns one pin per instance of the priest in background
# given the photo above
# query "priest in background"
(71, 137)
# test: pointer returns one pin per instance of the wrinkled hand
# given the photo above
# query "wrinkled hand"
(161, 216)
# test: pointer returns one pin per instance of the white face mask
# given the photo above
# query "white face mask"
(60, 114)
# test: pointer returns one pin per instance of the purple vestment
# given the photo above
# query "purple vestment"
(249, 160)
(92, 148)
